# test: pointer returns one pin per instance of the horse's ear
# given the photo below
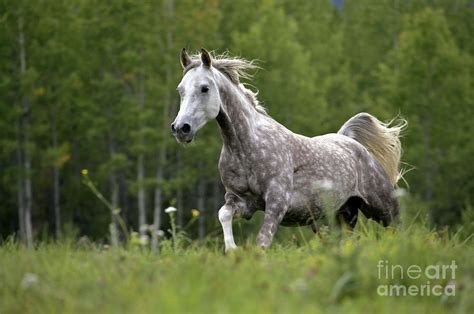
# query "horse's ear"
(206, 58)
(184, 58)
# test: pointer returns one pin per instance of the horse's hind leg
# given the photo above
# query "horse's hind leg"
(348, 212)
(385, 213)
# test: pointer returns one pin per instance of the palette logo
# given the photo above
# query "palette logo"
(439, 273)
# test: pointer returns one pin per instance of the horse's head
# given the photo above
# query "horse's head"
(200, 100)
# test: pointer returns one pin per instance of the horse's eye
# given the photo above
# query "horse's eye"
(204, 89)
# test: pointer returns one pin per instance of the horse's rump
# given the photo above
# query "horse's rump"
(382, 140)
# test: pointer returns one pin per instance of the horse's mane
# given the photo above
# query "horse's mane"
(234, 69)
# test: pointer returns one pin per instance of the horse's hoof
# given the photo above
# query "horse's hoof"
(230, 249)
(263, 241)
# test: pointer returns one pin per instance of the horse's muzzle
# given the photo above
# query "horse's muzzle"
(182, 132)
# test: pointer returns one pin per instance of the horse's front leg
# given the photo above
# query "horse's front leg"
(277, 200)
(226, 213)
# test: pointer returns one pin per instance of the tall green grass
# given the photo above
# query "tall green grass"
(300, 273)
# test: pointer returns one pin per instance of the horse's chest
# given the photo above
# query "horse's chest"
(239, 177)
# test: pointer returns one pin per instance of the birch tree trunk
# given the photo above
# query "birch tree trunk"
(159, 178)
(141, 195)
(114, 196)
(56, 174)
(141, 166)
(179, 192)
(158, 199)
(21, 192)
(169, 11)
(201, 203)
(24, 131)
(124, 200)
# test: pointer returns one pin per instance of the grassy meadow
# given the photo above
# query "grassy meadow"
(301, 273)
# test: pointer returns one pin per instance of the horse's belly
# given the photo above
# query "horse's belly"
(313, 194)
(301, 216)
(303, 209)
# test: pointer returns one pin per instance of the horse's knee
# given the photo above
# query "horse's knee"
(225, 217)
(225, 214)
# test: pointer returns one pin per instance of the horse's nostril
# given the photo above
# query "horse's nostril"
(186, 128)
(172, 128)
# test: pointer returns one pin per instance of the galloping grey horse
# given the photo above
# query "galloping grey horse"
(265, 166)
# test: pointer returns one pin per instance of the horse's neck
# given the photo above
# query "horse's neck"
(237, 119)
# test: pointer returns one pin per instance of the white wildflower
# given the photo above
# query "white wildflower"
(170, 209)
(28, 280)
(144, 239)
(160, 233)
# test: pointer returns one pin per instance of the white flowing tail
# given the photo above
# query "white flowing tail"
(382, 140)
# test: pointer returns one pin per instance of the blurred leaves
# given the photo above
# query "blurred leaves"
(105, 74)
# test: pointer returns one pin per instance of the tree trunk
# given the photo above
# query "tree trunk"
(114, 196)
(179, 192)
(24, 130)
(141, 195)
(168, 8)
(124, 200)
(114, 193)
(21, 192)
(141, 167)
(201, 203)
(158, 199)
(56, 174)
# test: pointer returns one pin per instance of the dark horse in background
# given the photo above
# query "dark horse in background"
(264, 166)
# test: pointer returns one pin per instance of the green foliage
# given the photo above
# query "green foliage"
(428, 79)
(273, 39)
(100, 78)
(466, 227)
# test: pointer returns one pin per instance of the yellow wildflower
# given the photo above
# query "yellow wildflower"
(85, 172)
(195, 212)
(39, 91)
